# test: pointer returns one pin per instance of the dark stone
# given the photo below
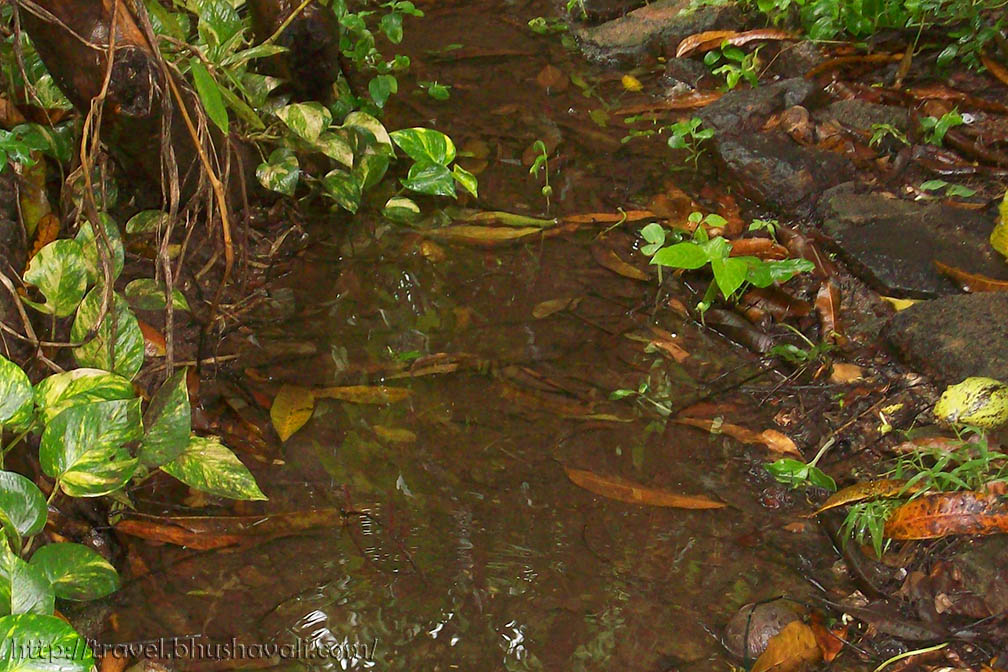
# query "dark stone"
(862, 115)
(954, 337)
(748, 109)
(794, 60)
(687, 71)
(892, 244)
(657, 27)
(774, 170)
(607, 10)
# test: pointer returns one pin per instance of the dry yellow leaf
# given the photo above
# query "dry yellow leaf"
(292, 408)
(846, 373)
(900, 304)
(364, 394)
(631, 83)
(790, 649)
(622, 490)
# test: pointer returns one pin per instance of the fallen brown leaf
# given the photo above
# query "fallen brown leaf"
(771, 438)
(482, 236)
(859, 492)
(608, 217)
(364, 394)
(948, 513)
(764, 248)
(844, 373)
(827, 302)
(608, 259)
(790, 649)
(622, 490)
(971, 282)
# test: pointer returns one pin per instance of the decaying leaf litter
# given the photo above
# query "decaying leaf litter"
(433, 397)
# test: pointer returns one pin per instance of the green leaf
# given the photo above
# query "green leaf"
(433, 179)
(729, 274)
(425, 145)
(685, 255)
(209, 94)
(147, 294)
(210, 466)
(89, 246)
(371, 168)
(343, 188)
(281, 172)
(127, 354)
(370, 127)
(15, 393)
(960, 190)
(336, 147)
(934, 185)
(167, 422)
(653, 233)
(402, 210)
(307, 120)
(466, 179)
(76, 571)
(22, 505)
(381, 87)
(82, 447)
(147, 221)
(242, 109)
(77, 387)
(23, 589)
(42, 643)
(391, 25)
(60, 273)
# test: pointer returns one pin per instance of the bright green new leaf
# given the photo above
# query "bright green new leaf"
(76, 571)
(167, 422)
(466, 179)
(82, 447)
(15, 393)
(209, 94)
(23, 589)
(24, 635)
(86, 238)
(425, 145)
(391, 25)
(127, 346)
(60, 273)
(76, 387)
(681, 255)
(381, 87)
(729, 274)
(307, 120)
(147, 294)
(209, 466)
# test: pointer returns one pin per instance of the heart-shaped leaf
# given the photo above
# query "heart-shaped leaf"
(60, 391)
(167, 422)
(121, 351)
(60, 273)
(76, 571)
(23, 589)
(208, 465)
(25, 635)
(15, 394)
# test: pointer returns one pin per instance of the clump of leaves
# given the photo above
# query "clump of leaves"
(690, 135)
(731, 274)
(935, 128)
(798, 474)
(541, 162)
(736, 65)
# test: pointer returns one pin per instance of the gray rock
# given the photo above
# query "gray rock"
(794, 60)
(659, 27)
(687, 71)
(954, 337)
(752, 626)
(607, 10)
(774, 170)
(862, 115)
(892, 244)
(748, 109)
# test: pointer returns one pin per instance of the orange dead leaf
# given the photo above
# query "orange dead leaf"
(622, 490)
(771, 438)
(764, 248)
(609, 217)
(47, 231)
(792, 648)
(828, 304)
(948, 513)
(994, 67)
(830, 641)
(689, 101)
(154, 341)
(705, 41)
(971, 282)
(859, 492)
(607, 258)
(844, 373)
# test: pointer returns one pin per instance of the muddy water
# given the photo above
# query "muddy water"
(470, 548)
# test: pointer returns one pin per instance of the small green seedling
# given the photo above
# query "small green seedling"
(690, 135)
(798, 474)
(542, 26)
(949, 188)
(881, 131)
(934, 129)
(737, 65)
(542, 161)
(435, 90)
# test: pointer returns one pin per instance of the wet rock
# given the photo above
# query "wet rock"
(982, 573)
(954, 337)
(686, 71)
(659, 27)
(607, 10)
(774, 170)
(749, 630)
(796, 60)
(892, 244)
(746, 110)
(862, 115)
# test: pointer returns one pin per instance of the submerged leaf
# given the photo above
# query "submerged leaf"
(622, 490)
(292, 408)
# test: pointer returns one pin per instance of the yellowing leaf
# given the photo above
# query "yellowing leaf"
(607, 258)
(790, 649)
(899, 304)
(622, 490)
(484, 236)
(394, 434)
(859, 492)
(292, 408)
(771, 438)
(364, 394)
(631, 83)
(552, 306)
(846, 373)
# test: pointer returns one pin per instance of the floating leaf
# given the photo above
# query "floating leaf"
(16, 394)
(552, 306)
(76, 571)
(483, 236)
(793, 648)
(292, 408)
(622, 490)
(205, 532)
(948, 513)
(607, 258)
(394, 434)
(364, 394)
(859, 492)
(24, 635)
(208, 465)
(60, 273)
(771, 438)
(147, 294)
(82, 447)
(60, 391)
(126, 343)
(166, 422)
(24, 589)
